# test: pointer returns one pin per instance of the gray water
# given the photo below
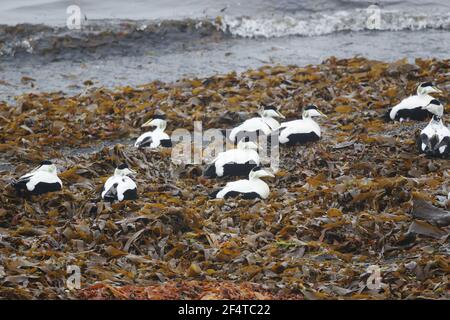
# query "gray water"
(53, 12)
(136, 41)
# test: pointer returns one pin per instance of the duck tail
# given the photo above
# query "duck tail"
(213, 194)
(109, 198)
(431, 145)
(223, 132)
(13, 183)
(421, 138)
(20, 186)
(387, 115)
(446, 144)
(434, 141)
(210, 171)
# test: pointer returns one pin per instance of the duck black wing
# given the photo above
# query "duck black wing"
(21, 184)
(111, 194)
(443, 148)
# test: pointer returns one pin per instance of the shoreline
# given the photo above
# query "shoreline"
(111, 66)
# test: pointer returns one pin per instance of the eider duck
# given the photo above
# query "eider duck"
(252, 188)
(157, 137)
(303, 130)
(120, 186)
(434, 139)
(265, 123)
(235, 162)
(413, 108)
(41, 180)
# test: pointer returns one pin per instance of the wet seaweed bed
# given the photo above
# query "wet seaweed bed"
(362, 196)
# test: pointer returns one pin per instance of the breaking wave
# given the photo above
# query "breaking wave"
(323, 24)
(131, 36)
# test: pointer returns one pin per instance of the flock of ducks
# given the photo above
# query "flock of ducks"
(434, 140)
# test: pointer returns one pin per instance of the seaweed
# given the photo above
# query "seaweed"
(362, 196)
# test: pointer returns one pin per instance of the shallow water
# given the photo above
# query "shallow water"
(169, 39)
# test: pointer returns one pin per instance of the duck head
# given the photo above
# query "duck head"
(258, 172)
(158, 121)
(436, 108)
(427, 88)
(246, 144)
(47, 166)
(123, 170)
(312, 111)
(270, 111)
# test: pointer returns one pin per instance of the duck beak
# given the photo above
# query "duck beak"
(322, 114)
(149, 123)
(280, 115)
(253, 146)
(132, 172)
(437, 90)
(269, 174)
(35, 169)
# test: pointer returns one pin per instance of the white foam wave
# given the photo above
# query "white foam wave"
(322, 24)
